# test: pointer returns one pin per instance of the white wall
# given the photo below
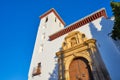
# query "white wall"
(97, 29)
(42, 49)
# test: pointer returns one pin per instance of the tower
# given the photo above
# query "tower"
(42, 57)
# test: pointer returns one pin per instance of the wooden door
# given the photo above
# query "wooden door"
(79, 70)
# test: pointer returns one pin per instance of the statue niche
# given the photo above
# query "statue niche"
(73, 39)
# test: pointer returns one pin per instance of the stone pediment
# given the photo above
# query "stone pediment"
(73, 39)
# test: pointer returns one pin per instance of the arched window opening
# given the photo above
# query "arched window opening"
(46, 19)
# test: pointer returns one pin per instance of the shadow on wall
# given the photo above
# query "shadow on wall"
(106, 47)
(106, 27)
(54, 74)
(102, 36)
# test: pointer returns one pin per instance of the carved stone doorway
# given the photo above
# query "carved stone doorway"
(79, 69)
(79, 59)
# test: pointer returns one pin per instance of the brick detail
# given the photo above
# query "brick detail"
(79, 24)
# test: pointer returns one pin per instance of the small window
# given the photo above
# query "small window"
(44, 26)
(43, 36)
(55, 19)
(37, 70)
(41, 48)
(46, 19)
(59, 24)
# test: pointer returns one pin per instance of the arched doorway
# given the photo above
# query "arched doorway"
(79, 69)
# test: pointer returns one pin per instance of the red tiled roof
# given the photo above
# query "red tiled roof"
(78, 24)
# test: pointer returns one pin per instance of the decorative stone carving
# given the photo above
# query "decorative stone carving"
(84, 51)
(73, 39)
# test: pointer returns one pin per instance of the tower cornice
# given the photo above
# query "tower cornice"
(56, 14)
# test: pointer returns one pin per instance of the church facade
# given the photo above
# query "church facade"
(73, 52)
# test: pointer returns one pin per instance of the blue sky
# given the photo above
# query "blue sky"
(19, 20)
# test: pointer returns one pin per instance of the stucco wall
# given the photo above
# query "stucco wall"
(97, 29)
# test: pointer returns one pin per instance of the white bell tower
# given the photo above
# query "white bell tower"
(43, 62)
